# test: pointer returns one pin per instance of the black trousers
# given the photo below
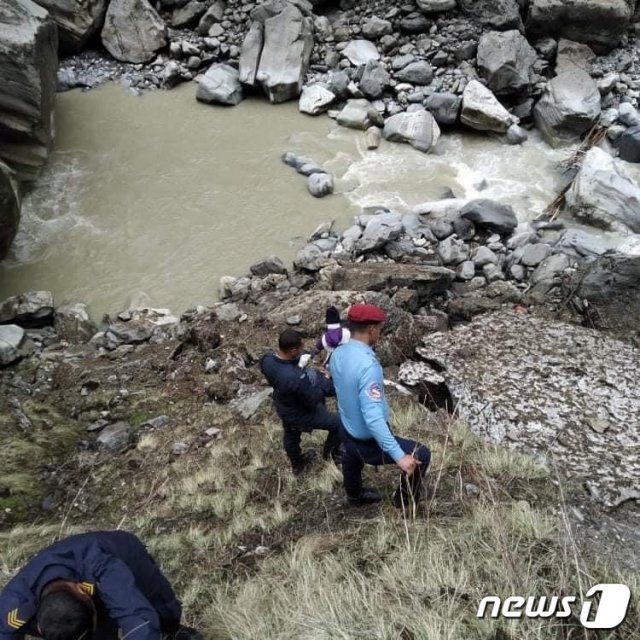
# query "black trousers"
(320, 419)
(357, 453)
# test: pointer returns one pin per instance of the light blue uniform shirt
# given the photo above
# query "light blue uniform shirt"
(359, 383)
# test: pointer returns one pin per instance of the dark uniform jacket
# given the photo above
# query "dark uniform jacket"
(297, 393)
(114, 567)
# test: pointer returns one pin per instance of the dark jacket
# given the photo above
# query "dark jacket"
(114, 567)
(297, 393)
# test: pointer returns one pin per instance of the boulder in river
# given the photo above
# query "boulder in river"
(498, 14)
(32, 309)
(359, 114)
(220, 85)
(320, 184)
(603, 195)
(77, 20)
(491, 215)
(315, 99)
(9, 209)
(133, 31)
(417, 128)
(277, 49)
(272, 264)
(28, 64)
(569, 106)
(481, 109)
(599, 23)
(505, 61)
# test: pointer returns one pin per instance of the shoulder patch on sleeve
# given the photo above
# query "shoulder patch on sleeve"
(374, 391)
(14, 620)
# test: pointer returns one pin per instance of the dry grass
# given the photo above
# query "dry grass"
(256, 553)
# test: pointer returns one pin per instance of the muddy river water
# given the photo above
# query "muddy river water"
(163, 195)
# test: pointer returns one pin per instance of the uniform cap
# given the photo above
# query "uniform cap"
(366, 314)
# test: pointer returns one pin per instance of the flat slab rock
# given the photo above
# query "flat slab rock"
(568, 395)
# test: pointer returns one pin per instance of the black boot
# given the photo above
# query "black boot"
(186, 633)
(303, 463)
(367, 496)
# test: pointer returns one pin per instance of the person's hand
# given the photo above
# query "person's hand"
(304, 360)
(408, 464)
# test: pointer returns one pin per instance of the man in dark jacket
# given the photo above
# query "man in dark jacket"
(299, 397)
(100, 586)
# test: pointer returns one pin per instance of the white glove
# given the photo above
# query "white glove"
(304, 360)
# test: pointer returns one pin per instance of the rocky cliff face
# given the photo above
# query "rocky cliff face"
(9, 209)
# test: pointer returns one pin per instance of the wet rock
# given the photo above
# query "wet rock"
(375, 28)
(491, 215)
(28, 63)
(133, 31)
(445, 107)
(10, 203)
(417, 128)
(320, 184)
(499, 14)
(481, 109)
(516, 135)
(382, 228)
(12, 339)
(33, 309)
(264, 267)
(419, 72)
(359, 114)
(569, 106)
(315, 99)
(505, 61)
(600, 23)
(373, 136)
(436, 6)
(116, 437)
(360, 52)
(220, 85)
(72, 323)
(604, 195)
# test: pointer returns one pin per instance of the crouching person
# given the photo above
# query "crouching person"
(93, 586)
(299, 396)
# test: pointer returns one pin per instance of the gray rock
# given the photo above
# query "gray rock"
(546, 47)
(534, 254)
(599, 23)
(445, 107)
(73, 323)
(116, 437)
(517, 272)
(569, 106)
(133, 31)
(573, 55)
(12, 339)
(628, 114)
(436, 6)
(350, 238)
(375, 28)
(499, 14)
(417, 128)
(516, 135)
(374, 80)
(250, 54)
(359, 114)
(248, 407)
(373, 136)
(264, 267)
(491, 215)
(9, 209)
(522, 239)
(77, 20)
(28, 63)
(505, 61)
(360, 52)
(382, 228)
(339, 83)
(420, 72)
(481, 109)
(492, 272)
(212, 15)
(220, 85)
(466, 270)
(483, 255)
(312, 258)
(320, 184)
(453, 251)
(415, 23)
(549, 270)
(583, 243)
(189, 14)
(440, 228)
(603, 194)
(315, 99)
(33, 309)
(629, 144)
(128, 333)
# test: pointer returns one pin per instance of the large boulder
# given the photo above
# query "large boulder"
(417, 128)
(359, 114)
(374, 80)
(315, 99)
(9, 209)
(603, 195)
(32, 309)
(12, 339)
(220, 85)
(28, 64)
(505, 61)
(599, 23)
(499, 14)
(133, 31)
(419, 72)
(481, 109)
(445, 107)
(569, 106)
(360, 52)
(77, 20)
(382, 228)
(490, 215)
(277, 50)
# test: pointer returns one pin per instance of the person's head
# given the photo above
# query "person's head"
(66, 612)
(290, 344)
(365, 323)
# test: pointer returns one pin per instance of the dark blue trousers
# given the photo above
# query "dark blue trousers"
(321, 419)
(357, 453)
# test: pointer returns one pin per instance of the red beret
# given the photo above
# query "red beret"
(366, 314)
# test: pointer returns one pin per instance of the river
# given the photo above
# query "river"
(163, 195)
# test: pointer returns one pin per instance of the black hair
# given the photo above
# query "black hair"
(289, 339)
(62, 615)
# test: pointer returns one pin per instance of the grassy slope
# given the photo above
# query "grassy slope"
(257, 553)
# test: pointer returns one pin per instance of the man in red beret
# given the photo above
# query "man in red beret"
(364, 412)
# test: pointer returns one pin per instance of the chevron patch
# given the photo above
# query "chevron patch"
(14, 621)
(88, 587)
